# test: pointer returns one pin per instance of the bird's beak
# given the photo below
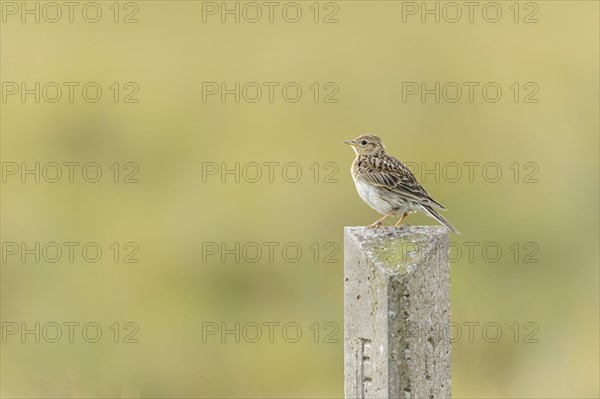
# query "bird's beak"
(351, 142)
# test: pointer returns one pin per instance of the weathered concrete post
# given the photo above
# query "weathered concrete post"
(397, 313)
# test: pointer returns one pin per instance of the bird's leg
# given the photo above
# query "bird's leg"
(400, 220)
(378, 222)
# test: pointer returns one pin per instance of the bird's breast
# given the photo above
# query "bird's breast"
(373, 196)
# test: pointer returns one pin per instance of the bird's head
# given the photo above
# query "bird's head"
(366, 144)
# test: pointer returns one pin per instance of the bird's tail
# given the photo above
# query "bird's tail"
(434, 214)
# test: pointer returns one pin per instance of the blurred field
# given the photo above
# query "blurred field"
(172, 135)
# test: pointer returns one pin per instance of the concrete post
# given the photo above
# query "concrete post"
(397, 313)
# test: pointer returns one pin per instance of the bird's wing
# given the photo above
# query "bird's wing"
(388, 173)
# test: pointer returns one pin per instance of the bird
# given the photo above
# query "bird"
(389, 186)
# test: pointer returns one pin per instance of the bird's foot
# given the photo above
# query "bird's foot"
(375, 225)
(399, 222)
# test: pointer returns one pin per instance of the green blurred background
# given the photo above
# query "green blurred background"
(171, 134)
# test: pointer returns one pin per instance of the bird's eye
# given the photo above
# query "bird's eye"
(364, 142)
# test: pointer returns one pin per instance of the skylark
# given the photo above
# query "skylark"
(389, 186)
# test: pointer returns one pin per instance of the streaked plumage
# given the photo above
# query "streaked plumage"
(389, 186)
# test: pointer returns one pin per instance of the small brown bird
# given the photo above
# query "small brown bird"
(389, 186)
